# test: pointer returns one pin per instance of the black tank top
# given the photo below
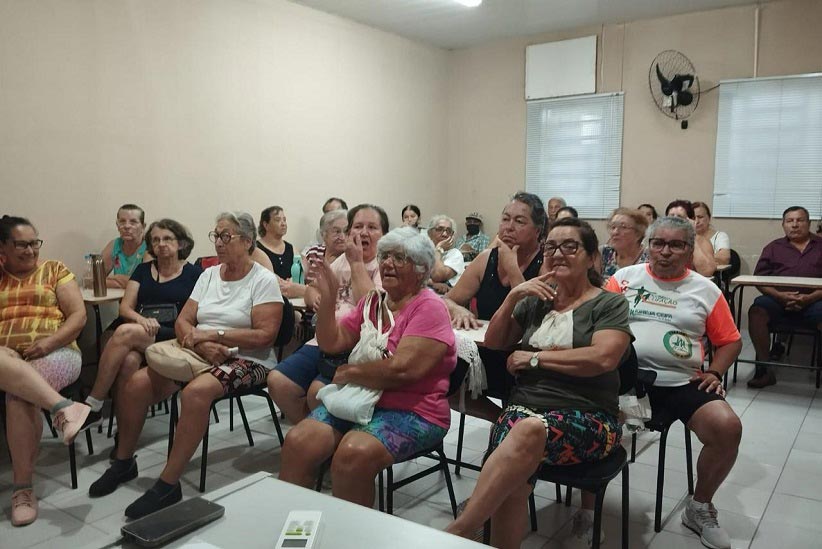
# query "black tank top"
(281, 262)
(491, 292)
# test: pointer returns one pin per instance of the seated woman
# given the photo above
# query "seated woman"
(234, 304)
(704, 262)
(295, 381)
(720, 242)
(513, 257)
(573, 337)
(42, 314)
(332, 235)
(448, 263)
(412, 414)
(168, 279)
(122, 255)
(272, 229)
(626, 228)
(411, 216)
(649, 212)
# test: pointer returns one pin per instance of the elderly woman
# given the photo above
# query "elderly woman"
(703, 252)
(720, 242)
(122, 255)
(574, 336)
(412, 414)
(332, 236)
(448, 263)
(513, 257)
(295, 381)
(272, 229)
(626, 228)
(230, 321)
(649, 212)
(168, 280)
(42, 314)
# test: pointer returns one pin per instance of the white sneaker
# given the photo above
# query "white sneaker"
(702, 519)
(582, 530)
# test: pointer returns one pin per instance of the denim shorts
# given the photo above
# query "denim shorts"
(301, 366)
(811, 314)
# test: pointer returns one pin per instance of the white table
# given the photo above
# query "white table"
(298, 303)
(112, 295)
(741, 281)
(256, 509)
(477, 335)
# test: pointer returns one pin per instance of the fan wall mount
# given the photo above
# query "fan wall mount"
(674, 85)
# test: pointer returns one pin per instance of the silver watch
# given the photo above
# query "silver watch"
(534, 362)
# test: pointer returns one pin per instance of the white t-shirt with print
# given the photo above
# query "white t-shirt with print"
(669, 318)
(223, 305)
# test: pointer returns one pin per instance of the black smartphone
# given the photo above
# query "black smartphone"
(172, 522)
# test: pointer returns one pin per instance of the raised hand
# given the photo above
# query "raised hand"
(540, 286)
(353, 248)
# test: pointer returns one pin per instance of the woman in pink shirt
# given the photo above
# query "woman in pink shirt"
(412, 414)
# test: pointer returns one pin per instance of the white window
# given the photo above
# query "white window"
(574, 150)
(769, 147)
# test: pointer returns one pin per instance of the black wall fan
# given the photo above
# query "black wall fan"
(674, 85)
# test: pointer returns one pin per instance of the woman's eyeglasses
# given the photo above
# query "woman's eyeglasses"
(163, 240)
(399, 259)
(620, 227)
(566, 247)
(23, 244)
(658, 244)
(444, 230)
(225, 236)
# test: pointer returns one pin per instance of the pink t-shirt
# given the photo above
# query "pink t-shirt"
(424, 316)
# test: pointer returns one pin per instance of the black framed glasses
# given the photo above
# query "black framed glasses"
(23, 244)
(658, 244)
(399, 259)
(566, 247)
(225, 236)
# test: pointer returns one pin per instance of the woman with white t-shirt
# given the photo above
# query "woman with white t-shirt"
(230, 320)
(448, 262)
(718, 239)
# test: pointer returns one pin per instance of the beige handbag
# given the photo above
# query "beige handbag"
(171, 360)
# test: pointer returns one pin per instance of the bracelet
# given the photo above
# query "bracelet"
(715, 373)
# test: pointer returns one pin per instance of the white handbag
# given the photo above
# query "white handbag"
(354, 402)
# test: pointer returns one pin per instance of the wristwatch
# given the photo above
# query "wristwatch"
(220, 335)
(534, 362)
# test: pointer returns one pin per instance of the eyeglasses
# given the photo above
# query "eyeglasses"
(336, 233)
(444, 230)
(163, 240)
(566, 247)
(658, 244)
(225, 236)
(620, 227)
(399, 259)
(23, 244)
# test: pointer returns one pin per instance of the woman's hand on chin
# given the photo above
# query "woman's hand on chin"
(353, 248)
(539, 286)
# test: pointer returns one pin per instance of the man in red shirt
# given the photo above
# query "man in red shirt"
(799, 253)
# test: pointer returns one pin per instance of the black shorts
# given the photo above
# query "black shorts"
(680, 402)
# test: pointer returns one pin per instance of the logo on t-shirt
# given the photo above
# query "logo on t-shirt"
(643, 295)
(678, 344)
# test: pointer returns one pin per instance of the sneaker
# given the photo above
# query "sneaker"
(23, 507)
(94, 419)
(111, 479)
(765, 380)
(153, 501)
(702, 519)
(582, 530)
(70, 420)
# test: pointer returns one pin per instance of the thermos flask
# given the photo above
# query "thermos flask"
(98, 275)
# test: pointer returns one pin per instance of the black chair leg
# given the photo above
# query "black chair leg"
(172, 423)
(274, 418)
(633, 447)
(214, 411)
(231, 413)
(460, 435)
(204, 462)
(600, 497)
(689, 461)
(381, 495)
(625, 506)
(486, 532)
(88, 442)
(532, 511)
(389, 492)
(48, 422)
(559, 492)
(660, 481)
(110, 420)
(448, 484)
(73, 466)
(165, 406)
(245, 422)
(568, 496)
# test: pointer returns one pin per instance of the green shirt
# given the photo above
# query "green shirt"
(543, 389)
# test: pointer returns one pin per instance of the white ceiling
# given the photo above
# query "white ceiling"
(447, 24)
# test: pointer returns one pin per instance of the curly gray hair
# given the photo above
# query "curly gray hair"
(416, 245)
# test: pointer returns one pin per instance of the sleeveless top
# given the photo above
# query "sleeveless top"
(281, 262)
(492, 293)
(125, 264)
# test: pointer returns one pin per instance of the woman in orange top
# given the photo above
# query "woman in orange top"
(41, 315)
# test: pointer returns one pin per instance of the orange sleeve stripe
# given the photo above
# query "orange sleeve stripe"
(720, 325)
(613, 286)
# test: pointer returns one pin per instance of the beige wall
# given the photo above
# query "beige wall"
(192, 107)
(486, 134)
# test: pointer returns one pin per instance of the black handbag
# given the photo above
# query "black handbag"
(164, 313)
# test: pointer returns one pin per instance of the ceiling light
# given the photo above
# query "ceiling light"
(470, 3)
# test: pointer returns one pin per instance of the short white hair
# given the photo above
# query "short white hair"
(440, 217)
(244, 223)
(676, 223)
(416, 245)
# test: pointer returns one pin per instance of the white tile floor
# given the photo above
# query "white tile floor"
(773, 497)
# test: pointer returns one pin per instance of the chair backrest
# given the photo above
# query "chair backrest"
(207, 261)
(628, 370)
(457, 376)
(736, 266)
(286, 331)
